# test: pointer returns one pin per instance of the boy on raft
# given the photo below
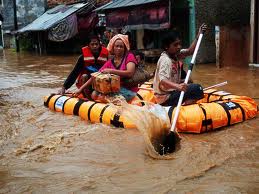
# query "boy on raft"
(169, 75)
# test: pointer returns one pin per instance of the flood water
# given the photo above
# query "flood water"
(48, 152)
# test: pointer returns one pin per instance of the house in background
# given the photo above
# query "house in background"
(62, 25)
(231, 18)
(146, 21)
(62, 29)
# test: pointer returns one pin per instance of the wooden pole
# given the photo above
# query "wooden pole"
(2, 34)
(217, 41)
(257, 30)
(251, 55)
(15, 26)
(39, 42)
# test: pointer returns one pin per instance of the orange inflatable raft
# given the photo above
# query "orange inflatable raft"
(217, 109)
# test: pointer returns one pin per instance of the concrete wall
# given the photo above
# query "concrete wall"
(1, 9)
(8, 15)
(222, 13)
(27, 11)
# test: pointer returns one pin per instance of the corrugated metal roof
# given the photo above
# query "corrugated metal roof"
(52, 17)
(123, 3)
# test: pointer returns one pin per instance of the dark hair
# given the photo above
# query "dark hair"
(91, 37)
(142, 55)
(169, 38)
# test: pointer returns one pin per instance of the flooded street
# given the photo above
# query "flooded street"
(49, 152)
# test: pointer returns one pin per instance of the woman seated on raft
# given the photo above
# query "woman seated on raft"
(122, 64)
(169, 75)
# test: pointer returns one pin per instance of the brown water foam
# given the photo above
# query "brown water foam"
(153, 123)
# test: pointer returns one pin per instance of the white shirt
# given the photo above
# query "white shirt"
(167, 69)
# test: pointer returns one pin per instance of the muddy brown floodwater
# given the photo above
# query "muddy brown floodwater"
(48, 152)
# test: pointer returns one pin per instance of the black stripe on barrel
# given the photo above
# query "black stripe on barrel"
(115, 121)
(242, 110)
(47, 101)
(206, 121)
(77, 106)
(63, 108)
(102, 112)
(226, 108)
(56, 101)
(89, 111)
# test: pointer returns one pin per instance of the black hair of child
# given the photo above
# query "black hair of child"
(169, 38)
(142, 55)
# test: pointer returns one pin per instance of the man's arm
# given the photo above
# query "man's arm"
(74, 73)
(189, 51)
(164, 76)
(80, 90)
(167, 85)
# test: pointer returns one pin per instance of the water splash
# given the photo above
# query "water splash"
(152, 121)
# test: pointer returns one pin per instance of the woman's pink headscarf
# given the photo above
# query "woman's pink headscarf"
(122, 37)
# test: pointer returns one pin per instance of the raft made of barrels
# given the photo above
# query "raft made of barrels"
(217, 109)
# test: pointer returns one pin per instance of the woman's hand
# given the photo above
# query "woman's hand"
(107, 70)
(77, 92)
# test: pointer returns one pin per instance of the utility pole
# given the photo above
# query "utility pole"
(1, 31)
(16, 26)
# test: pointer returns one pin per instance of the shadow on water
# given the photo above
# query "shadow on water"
(48, 152)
